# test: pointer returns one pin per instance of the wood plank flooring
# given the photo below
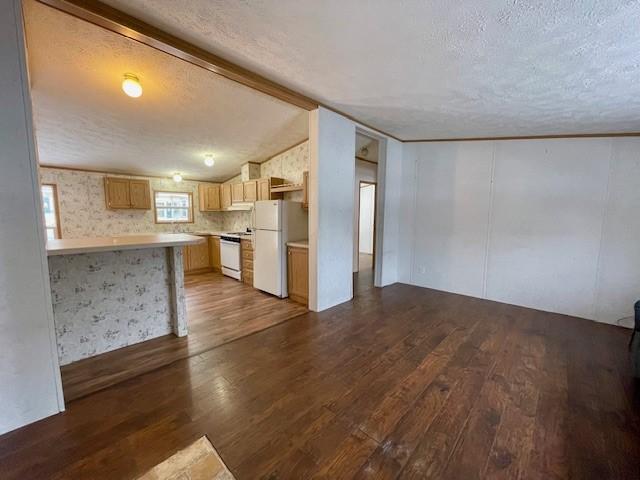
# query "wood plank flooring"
(401, 382)
(219, 310)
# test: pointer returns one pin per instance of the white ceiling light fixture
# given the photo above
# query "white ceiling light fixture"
(208, 160)
(177, 177)
(131, 85)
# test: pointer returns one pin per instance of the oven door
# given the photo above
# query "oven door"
(230, 255)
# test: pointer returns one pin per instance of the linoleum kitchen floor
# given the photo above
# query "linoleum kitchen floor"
(219, 310)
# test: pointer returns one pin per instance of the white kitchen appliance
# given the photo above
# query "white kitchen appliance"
(276, 222)
(230, 255)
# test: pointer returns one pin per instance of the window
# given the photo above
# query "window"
(50, 209)
(174, 207)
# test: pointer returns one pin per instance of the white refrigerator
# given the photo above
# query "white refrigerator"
(276, 222)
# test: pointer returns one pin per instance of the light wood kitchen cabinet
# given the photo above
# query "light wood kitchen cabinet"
(209, 196)
(237, 192)
(214, 253)
(305, 190)
(196, 257)
(140, 194)
(226, 195)
(250, 191)
(247, 261)
(298, 274)
(127, 193)
(264, 188)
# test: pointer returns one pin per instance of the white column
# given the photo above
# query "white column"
(30, 386)
(331, 208)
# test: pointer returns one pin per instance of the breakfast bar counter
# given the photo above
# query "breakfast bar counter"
(111, 292)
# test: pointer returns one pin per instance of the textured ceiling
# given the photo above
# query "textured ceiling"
(433, 69)
(83, 119)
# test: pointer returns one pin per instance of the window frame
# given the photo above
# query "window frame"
(170, 222)
(57, 230)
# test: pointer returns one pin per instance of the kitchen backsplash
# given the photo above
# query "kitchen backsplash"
(83, 212)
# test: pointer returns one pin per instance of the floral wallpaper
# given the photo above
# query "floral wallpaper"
(288, 165)
(107, 300)
(83, 212)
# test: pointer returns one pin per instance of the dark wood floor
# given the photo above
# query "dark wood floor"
(402, 382)
(219, 310)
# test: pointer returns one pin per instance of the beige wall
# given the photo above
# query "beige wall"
(288, 165)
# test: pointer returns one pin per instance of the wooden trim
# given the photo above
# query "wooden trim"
(365, 160)
(191, 208)
(124, 174)
(526, 137)
(116, 21)
(54, 188)
(285, 150)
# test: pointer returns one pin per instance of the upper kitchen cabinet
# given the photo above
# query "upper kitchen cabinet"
(250, 191)
(237, 192)
(125, 193)
(264, 188)
(209, 195)
(225, 196)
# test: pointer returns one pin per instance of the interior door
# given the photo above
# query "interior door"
(267, 272)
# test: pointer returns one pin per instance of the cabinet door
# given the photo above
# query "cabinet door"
(264, 189)
(237, 192)
(226, 195)
(116, 192)
(298, 274)
(186, 258)
(199, 255)
(213, 197)
(250, 191)
(214, 253)
(139, 194)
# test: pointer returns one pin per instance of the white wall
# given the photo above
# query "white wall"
(548, 224)
(366, 207)
(30, 386)
(331, 208)
(365, 172)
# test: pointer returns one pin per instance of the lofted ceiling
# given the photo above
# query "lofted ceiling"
(436, 69)
(83, 119)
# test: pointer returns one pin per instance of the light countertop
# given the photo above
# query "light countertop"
(69, 246)
(299, 244)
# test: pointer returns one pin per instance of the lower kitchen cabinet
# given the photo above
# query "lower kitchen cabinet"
(196, 257)
(298, 274)
(214, 253)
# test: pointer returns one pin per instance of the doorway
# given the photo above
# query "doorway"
(366, 239)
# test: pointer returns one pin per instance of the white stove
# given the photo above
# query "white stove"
(231, 255)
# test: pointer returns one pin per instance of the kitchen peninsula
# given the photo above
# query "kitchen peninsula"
(110, 292)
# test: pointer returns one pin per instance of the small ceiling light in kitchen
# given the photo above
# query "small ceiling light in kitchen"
(177, 177)
(131, 85)
(208, 160)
